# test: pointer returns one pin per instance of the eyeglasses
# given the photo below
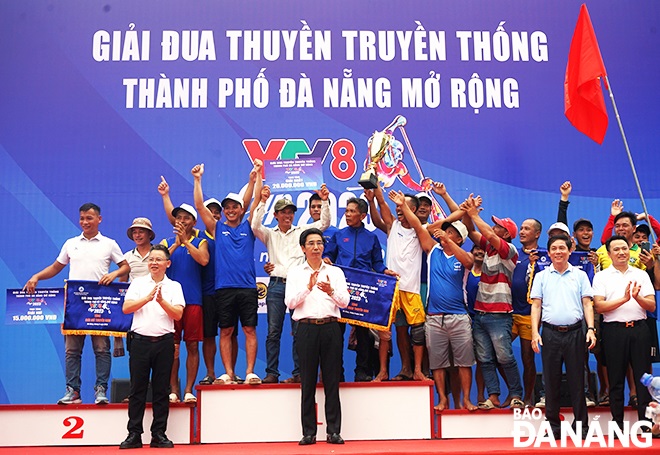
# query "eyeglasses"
(313, 244)
(158, 260)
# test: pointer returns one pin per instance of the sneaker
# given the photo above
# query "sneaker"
(541, 403)
(99, 395)
(590, 402)
(70, 397)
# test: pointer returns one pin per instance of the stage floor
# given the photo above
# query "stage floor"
(415, 447)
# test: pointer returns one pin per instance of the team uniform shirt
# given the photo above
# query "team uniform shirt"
(561, 294)
(151, 320)
(328, 233)
(404, 256)
(357, 248)
(284, 247)
(186, 270)
(208, 271)
(471, 286)
(445, 280)
(315, 303)
(234, 257)
(494, 293)
(520, 280)
(139, 264)
(89, 259)
(611, 284)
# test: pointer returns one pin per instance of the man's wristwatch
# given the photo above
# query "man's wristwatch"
(591, 328)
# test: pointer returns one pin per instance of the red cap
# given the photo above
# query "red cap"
(508, 224)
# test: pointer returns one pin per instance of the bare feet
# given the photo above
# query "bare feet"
(467, 404)
(506, 403)
(441, 406)
(382, 376)
(419, 376)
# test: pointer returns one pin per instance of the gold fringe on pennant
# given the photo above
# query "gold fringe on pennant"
(393, 309)
(108, 333)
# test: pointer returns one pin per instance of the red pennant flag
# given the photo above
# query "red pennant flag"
(584, 105)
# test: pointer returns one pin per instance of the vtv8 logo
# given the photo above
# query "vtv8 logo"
(343, 165)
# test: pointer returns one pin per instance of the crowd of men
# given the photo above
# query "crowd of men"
(455, 309)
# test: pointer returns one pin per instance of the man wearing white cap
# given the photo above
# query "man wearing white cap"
(188, 255)
(447, 316)
(235, 276)
(282, 243)
(493, 305)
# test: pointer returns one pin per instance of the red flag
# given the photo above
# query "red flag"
(584, 105)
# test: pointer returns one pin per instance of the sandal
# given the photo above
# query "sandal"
(517, 403)
(252, 379)
(174, 398)
(604, 400)
(486, 405)
(224, 379)
(208, 380)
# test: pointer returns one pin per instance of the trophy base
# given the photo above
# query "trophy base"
(369, 181)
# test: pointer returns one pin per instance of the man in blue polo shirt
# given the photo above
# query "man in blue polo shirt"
(235, 277)
(561, 296)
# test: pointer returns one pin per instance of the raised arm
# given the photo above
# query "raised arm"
(385, 212)
(472, 210)
(453, 249)
(256, 220)
(440, 189)
(562, 212)
(198, 196)
(164, 190)
(423, 235)
(616, 208)
(376, 220)
(253, 190)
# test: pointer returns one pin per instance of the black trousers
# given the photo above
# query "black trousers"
(320, 344)
(627, 345)
(155, 357)
(567, 348)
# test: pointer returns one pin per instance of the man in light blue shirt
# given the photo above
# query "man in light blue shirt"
(561, 298)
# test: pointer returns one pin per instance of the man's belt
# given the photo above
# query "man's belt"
(319, 321)
(562, 328)
(277, 279)
(628, 324)
(137, 336)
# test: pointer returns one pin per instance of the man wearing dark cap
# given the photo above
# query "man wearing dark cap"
(282, 243)
(188, 255)
(493, 305)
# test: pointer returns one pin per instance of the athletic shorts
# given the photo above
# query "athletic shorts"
(449, 331)
(522, 326)
(411, 306)
(191, 324)
(211, 316)
(237, 304)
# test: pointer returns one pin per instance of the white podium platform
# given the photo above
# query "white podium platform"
(271, 413)
(84, 424)
(499, 423)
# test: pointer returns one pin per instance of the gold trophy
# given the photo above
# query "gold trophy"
(379, 142)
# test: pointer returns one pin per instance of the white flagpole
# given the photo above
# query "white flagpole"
(632, 165)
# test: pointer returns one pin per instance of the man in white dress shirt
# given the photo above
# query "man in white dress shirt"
(316, 291)
(156, 302)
